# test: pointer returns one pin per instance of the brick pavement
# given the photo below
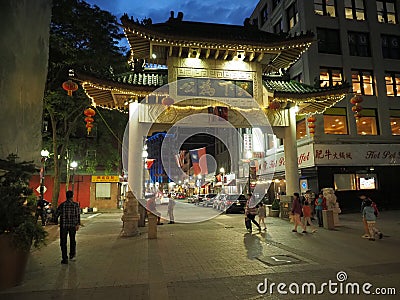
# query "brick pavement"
(216, 259)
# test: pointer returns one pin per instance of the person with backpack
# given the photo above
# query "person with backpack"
(365, 202)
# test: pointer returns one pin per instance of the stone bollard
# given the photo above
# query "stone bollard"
(130, 216)
(152, 232)
(327, 217)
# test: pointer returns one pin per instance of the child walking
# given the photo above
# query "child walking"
(262, 213)
(307, 216)
(370, 217)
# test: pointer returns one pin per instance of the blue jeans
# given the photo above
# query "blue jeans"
(64, 231)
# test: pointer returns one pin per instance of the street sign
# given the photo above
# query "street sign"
(44, 189)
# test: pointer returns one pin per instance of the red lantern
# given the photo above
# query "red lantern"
(311, 120)
(274, 105)
(356, 99)
(356, 108)
(89, 127)
(89, 113)
(167, 101)
(70, 87)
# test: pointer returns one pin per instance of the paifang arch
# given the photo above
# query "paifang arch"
(209, 65)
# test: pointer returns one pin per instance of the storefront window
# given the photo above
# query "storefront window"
(367, 124)
(335, 121)
(344, 182)
(367, 181)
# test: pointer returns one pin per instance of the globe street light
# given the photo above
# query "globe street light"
(222, 170)
(73, 166)
(45, 155)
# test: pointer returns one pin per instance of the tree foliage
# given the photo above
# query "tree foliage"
(82, 37)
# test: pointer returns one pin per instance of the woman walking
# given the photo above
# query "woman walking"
(297, 211)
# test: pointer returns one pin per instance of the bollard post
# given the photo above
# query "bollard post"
(327, 217)
(152, 232)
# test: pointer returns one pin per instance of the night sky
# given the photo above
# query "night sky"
(217, 11)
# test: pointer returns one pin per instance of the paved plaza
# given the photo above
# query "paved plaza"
(216, 259)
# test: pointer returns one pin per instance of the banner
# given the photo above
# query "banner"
(149, 163)
(199, 163)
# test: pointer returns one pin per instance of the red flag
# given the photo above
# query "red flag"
(149, 163)
(199, 163)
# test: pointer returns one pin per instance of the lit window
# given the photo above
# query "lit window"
(395, 121)
(354, 9)
(330, 77)
(367, 123)
(325, 8)
(292, 15)
(386, 11)
(392, 84)
(362, 82)
(335, 121)
(301, 130)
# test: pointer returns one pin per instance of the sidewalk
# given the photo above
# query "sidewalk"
(216, 259)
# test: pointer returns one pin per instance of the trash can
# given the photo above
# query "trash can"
(285, 206)
(327, 217)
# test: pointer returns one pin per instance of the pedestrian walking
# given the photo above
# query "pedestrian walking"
(70, 219)
(364, 200)
(307, 216)
(170, 212)
(319, 206)
(297, 212)
(262, 213)
(250, 213)
(369, 215)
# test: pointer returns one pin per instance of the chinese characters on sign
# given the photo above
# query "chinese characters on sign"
(105, 178)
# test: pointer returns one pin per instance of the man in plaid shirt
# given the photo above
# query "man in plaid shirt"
(70, 219)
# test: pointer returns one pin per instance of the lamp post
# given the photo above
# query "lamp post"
(222, 170)
(249, 155)
(45, 156)
(145, 154)
(73, 166)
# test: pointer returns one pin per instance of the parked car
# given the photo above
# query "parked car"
(208, 200)
(199, 199)
(218, 200)
(234, 203)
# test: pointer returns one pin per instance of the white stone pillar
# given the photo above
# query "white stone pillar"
(130, 217)
(290, 148)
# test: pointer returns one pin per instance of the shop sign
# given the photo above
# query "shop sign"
(276, 163)
(247, 142)
(105, 178)
(357, 154)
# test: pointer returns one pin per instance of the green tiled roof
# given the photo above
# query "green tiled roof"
(295, 87)
(142, 79)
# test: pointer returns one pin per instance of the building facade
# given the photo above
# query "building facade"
(353, 146)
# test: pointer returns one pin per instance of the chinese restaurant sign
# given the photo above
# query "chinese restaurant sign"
(357, 154)
(105, 178)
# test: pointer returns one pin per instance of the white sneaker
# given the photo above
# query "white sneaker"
(365, 236)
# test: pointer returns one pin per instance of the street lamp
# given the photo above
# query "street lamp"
(45, 156)
(222, 170)
(73, 166)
